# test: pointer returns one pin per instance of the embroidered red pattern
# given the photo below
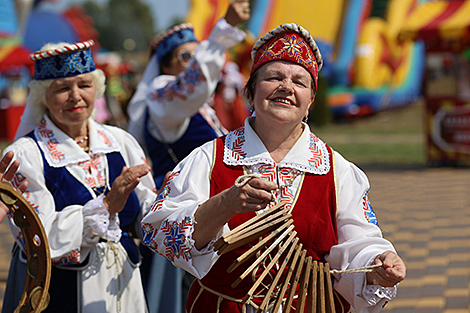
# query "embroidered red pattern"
(71, 258)
(165, 192)
(316, 158)
(237, 144)
(51, 141)
(286, 175)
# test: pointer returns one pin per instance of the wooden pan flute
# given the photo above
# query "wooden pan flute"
(307, 283)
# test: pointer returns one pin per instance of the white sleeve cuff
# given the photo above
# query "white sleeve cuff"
(209, 247)
(373, 294)
(226, 35)
(97, 222)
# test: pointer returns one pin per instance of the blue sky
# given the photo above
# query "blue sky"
(163, 11)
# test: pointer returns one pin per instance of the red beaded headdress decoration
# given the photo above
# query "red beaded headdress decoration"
(289, 42)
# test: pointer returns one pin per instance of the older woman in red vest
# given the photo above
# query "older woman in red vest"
(281, 161)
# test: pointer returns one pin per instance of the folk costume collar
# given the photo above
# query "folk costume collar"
(309, 154)
(61, 150)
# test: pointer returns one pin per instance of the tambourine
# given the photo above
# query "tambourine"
(35, 297)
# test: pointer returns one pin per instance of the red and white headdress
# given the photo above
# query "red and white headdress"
(290, 42)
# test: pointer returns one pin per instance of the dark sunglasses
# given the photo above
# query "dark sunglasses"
(185, 56)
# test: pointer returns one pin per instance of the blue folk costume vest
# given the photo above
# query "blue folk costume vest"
(63, 289)
(198, 132)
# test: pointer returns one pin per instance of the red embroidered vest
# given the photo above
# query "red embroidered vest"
(314, 216)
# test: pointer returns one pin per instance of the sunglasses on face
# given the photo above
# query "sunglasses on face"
(184, 56)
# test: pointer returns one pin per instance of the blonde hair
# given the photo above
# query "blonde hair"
(37, 88)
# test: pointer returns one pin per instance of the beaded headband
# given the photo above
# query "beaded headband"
(167, 41)
(69, 60)
(289, 42)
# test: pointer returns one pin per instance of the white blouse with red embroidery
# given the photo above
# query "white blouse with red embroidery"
(76, 228)
(169, 226)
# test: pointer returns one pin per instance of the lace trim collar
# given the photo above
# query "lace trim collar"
(61, 150)
(309, 154)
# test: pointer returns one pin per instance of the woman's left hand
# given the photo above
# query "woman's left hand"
(122, 187)
(392, 271)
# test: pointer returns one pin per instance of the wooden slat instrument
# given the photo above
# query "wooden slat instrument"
(307, 282)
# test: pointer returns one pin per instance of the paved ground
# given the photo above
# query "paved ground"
(426, 213)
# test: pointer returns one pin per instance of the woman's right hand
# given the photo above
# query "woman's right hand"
(238, 12)
(254, 195)
(122, 187)
(211, 216)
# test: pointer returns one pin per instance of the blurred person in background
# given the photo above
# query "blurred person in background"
(89, 183)
(170, 115)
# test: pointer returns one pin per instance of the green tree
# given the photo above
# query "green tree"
(122, 25)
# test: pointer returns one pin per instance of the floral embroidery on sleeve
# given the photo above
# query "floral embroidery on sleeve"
(175, 240)
(71, 258)
(369, 213)
(180, 88)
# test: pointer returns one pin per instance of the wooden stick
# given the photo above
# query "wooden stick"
(312, 289)
(267, 221)
(273, 261)
(321, 288)
(290, 272)
(261, 228)
(330, 300)
(253, 250)
(278, 276)
(265, 253)
(254, 219)
(294, 282)
(303, 288)
(229, 247)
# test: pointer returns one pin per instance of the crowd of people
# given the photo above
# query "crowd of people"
(97, 195)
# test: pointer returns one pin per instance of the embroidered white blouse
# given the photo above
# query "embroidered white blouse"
(173, 100)
(75, 229)
(169, 225)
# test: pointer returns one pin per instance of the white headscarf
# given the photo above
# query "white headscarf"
(137, 106)
(28, 122)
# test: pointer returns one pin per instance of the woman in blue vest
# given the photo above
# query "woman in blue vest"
(89, 183)
(170, 115)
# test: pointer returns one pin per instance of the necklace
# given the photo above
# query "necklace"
(82, 140)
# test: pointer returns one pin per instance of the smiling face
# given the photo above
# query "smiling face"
(283, 93)
(70, 102)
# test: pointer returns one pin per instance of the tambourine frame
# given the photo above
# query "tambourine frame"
(35, 297)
